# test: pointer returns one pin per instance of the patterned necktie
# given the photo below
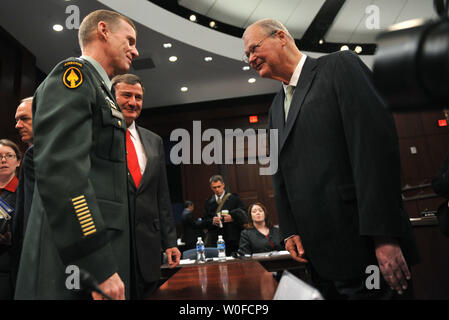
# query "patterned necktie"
(288, 100)
(131, 157)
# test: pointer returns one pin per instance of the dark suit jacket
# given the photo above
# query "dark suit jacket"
(191, 228)
(338, 181)
(231, 230)
(25, 190)
(252, 241)
(79, 213)
(153, 226)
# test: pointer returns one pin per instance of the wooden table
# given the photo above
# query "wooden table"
(235, 280)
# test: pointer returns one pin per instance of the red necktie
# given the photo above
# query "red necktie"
(131, 157)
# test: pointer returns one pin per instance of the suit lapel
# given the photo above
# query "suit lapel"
(304, 82)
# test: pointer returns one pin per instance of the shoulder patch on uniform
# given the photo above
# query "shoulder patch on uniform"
(73, 77)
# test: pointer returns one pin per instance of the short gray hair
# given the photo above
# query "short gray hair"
(269, 26)
(127, 78)
(216, 178)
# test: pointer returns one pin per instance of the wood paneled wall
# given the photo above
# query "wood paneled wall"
(19, 79)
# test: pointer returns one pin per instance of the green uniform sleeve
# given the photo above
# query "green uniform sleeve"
(63, 126)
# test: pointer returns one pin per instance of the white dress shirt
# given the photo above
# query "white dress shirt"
(295, 76)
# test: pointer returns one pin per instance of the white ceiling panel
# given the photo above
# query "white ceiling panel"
(347, 20)
(388, 13)
(417, 9)
(200, 6)
(273, 9)
(300, 19)
(233, 12)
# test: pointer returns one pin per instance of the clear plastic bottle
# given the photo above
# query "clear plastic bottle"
(200, 256)
(221, 247)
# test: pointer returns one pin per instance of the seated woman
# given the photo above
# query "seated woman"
(259, 235)
(9, 164)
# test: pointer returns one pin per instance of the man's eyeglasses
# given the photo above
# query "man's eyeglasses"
(246, 56)
(7, 156)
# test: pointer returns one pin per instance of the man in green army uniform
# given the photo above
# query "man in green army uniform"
(79, 215)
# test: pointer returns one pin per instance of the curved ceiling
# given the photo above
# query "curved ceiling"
(31, 22)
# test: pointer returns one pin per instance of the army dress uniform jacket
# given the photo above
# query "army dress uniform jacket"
(79, 215)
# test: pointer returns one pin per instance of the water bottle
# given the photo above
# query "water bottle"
(221, 248)
(200, 257)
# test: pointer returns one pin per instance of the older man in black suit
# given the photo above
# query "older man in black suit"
(337, 189)
(152, 222)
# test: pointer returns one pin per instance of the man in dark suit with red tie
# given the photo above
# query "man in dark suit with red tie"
(337, 188)
(152, 224)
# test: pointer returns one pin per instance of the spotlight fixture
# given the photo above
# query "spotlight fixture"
(252, 80)
(58, 27)
(321, 41)
(208, 59)
(212, 24)
(358, 49)
(184, 89)
(245, 68)
(192, 18)
(167, 45)
(173, 58)
(344, 47)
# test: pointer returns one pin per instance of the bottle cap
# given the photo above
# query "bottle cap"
(199, 238)
(220, 237)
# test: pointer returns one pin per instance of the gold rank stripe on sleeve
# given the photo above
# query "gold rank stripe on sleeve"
(84, 216)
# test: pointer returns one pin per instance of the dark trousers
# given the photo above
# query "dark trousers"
(140, 289)
(356, 289)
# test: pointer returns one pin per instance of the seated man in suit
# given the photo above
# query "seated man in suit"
(151, 217)
(229, 224)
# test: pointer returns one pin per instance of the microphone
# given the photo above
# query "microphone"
(89, 283)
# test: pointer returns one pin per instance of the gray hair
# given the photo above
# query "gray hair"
(269, 26)
(127, 78)
(216, 178)
(26, 99)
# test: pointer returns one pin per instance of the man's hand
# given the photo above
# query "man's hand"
(227, 218)
(392, 263)
(173, 253)
(113, 287)
(294, 246)
(216, 221)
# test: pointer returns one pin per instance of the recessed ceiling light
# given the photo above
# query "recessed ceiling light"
(321, 41)
(343, 48)
(245, 68)
(212, 24)
(167, 45)
(58, 27)
(173, 58)
(358, 49)
(192, 18)
(208, 59)
(184, 89)
(252, 80)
